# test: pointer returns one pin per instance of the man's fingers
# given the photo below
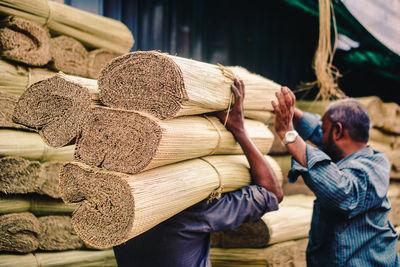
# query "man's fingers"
(275, 106)
(281, 100)
(288, 98)
(242, 87)
(235, 91)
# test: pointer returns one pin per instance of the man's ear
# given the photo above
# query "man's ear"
(338, 131)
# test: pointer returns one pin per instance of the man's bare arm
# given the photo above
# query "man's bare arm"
(285, 116)
(261, 171)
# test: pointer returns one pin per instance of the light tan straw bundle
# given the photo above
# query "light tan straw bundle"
(129, 142)
(93, 30)
(31, 146)
(114, 207)
(290, 222)
(168, 86)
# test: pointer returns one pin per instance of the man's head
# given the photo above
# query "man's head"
(346, 128)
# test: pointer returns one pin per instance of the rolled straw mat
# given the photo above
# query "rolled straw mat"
(24, 41)
(69, 55)
(97, 59)
(94, 30)
(129, 142)
(57, 233)
(20, 176)
(7, 105)
(54, 107)
(114, 207)
(18, 232)
(168, 86)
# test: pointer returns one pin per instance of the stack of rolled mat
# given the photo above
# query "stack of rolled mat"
(24, 232)
(94, 31)
(138, 165)
(27, 43)
(278, 239)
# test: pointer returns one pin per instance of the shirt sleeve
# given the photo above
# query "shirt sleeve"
(344, 190)
(233, 209)
(309, 128)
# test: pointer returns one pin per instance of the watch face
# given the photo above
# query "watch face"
(290, 136)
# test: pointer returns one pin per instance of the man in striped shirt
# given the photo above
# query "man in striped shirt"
(349, 179)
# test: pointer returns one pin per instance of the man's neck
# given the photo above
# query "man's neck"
(348, 147)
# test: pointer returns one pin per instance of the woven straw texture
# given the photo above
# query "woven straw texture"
(31, 146)
(115, 207)
(69, 55)
(18, 232)
(24, 41)
(128, 142)
(54, 107)
(93, 30)
(169, 86)
(97, 59)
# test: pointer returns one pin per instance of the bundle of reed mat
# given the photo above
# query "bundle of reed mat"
(7, 105)
(24, 41)
(102, 258)
(264, 116)
(31, 146)
(114, 207)
(15, 79)
(97, 59)
(290, 253)
(57, 233)
(20, 176)
(290, 222)
(38, 205)
(54, 107)
(129, 142)
(23, 232)
(69, 55)
(168, 86)
(18, 232)
(93, 30)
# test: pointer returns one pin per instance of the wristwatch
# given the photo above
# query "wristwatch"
(290, 137)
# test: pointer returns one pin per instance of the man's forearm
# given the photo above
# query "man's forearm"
(298, 151)
(261, 171)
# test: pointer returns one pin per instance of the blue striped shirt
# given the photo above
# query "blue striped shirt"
(349, 225)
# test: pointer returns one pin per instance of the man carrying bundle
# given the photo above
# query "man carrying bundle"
(350, 180)
(184, 240)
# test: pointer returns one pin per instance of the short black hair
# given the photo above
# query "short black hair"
(353, 116)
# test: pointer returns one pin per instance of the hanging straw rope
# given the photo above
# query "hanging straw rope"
(327, 74)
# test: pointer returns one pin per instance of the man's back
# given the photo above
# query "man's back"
(357, 231)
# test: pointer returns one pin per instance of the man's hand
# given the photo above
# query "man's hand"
(261, 173)
(284, 114)
(235, 120)
(284, 111)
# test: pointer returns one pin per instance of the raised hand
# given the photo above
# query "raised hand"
(284, 111)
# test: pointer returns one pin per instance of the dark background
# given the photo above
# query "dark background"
(267, 37)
